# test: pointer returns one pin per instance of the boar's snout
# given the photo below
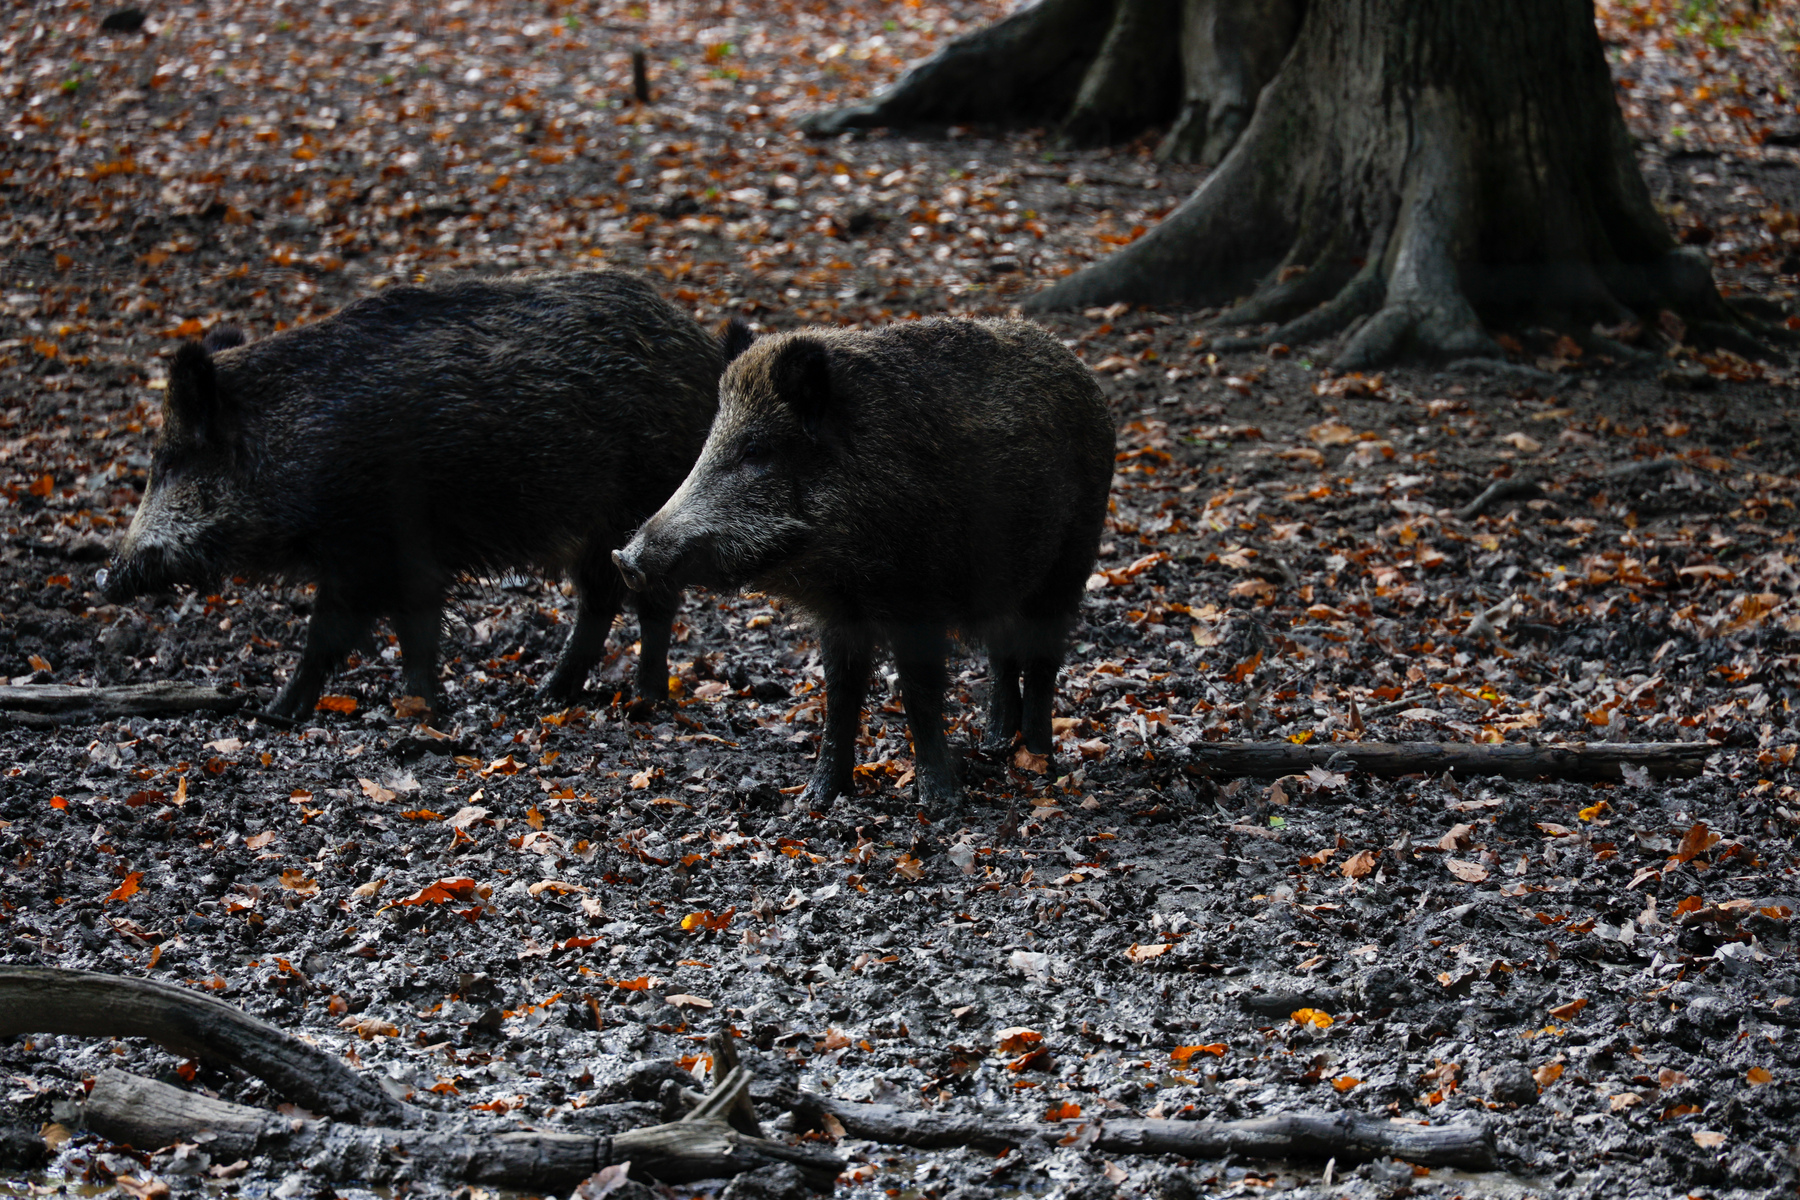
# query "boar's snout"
(627, 562)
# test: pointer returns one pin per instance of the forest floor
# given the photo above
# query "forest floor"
(1605, 974)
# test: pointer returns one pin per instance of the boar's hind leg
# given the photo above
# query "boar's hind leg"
(331, 634)
(1003, 702)
(849, 654)
(919, 654)
(418, 630)
(1045, 643)
(599, 591)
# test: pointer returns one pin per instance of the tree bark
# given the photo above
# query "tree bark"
(1409, 167)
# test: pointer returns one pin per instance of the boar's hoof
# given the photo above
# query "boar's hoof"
(557, 692)
(643, 708)
(819, 795)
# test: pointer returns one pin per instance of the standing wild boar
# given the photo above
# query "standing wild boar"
(896, 484)
(423, 434)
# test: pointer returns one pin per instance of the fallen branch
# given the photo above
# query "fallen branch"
(1574, 761)
(1347, 1137)
(142, 1113)
(43, 704)
(1518, 487)
(87, 1003)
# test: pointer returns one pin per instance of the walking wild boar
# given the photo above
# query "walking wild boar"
(897, 484)
(423, 434)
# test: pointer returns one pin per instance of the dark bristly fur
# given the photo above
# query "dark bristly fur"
(423, 434)
(897, 484)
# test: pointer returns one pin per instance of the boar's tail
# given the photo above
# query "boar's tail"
(736, 337)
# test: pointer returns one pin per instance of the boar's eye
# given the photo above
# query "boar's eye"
(756, 454)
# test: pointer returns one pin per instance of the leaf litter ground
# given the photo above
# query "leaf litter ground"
(529, 914)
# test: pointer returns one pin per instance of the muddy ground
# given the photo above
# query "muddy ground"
(1604, 974)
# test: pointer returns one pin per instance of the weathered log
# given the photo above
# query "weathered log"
(1573, 761)
(87, 1003)
(56, 703)
(1347, 1137)
(145, 1114)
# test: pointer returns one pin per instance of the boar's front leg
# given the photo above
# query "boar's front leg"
(919, 654)
(418, 630)
(598, 593)
(849, 653)
(656, 618)
(331, 634)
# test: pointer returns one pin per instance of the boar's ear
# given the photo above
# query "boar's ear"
(802, 377)
(197, 406)
(735, 338)
(222, 337)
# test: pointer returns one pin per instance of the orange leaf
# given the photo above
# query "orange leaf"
(1344, 1083)
(1567, 1012)
(337, 704)
(1016, 1040)
(1182, 1053)
(1758, 1076)
(441, 892)
(1358, 864)
(128, 887)
(1547, 1074)
(1068, 1110)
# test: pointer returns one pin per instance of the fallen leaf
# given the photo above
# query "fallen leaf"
(1067, 1110)
(1757, 1076)
(296, 881)
(1344, 1083)
(1466, 871)
(1144, 953)
(1317, 1018)
(1016, 1039)
(683, 1000)
(260, 841)
(377, 793)
(344, 705)
(1548, 1074)
(128, 887)
(1706, 1139)
(1567, 1012)
(1182, 1053)
(1358, 864)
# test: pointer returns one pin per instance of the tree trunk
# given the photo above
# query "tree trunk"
(1098, 71)
(1409, 166)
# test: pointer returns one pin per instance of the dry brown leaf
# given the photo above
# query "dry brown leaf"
(1466, 871)
(1358, 864)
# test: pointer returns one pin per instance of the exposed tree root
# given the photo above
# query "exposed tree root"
(1097, 71)
(1348, 1137)
(1575, 762)
(145, 1114)
(90, 1004)
(1413, 173)
(54, 703)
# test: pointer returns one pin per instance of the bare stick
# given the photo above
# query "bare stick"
(1518, 487)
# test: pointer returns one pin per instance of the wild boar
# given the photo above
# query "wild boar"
(896, 484)
(425, 434)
